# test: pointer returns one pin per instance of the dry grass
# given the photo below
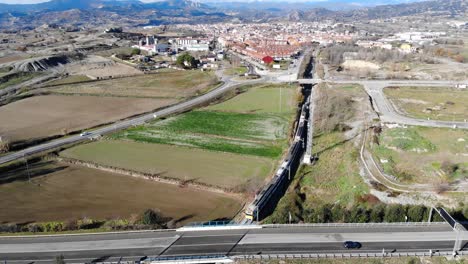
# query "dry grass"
(424, 155)
(62, 192)
(439, 103)
(43, 116)
(206, 167)
(174, 84)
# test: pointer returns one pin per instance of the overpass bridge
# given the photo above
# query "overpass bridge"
(309, 81)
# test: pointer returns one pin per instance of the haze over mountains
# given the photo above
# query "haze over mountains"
(137, 13)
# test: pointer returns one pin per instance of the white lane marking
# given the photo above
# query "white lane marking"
(228, 235)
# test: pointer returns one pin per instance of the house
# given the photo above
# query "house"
(267, 59)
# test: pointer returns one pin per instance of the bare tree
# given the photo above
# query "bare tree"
(4, 145)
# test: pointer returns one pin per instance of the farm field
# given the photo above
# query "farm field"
(438, 103)
(44, 116)
(168, 84)
(261, 99)
(224, 170)
(235, 70)
(69, 79)
(60, 192)
(252, 134)
(423, 155)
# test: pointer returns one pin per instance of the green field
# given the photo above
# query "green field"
(438, 103)
(252, 134)
(236, 70)
(17, 79)
(335, 177)
(60, 192)
(423, 155)
(262, 99)
(206, 167)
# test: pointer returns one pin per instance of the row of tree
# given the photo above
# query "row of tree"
(150, 218)
(292, 208)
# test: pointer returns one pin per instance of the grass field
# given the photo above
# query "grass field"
(43, 116)
(335, 177)
(188, 164)
(62, 192)
(430, 102)
(261, 99)
(236, 70)
(20, 78)
(424, 155)
(253, 134)
(174, 84)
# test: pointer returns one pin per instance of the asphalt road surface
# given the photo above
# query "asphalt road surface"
(287, 240)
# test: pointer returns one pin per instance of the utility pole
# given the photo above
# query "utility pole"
(281, 95)
(27, 168)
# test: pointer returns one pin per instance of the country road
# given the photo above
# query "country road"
(421, 237)
(388, 113)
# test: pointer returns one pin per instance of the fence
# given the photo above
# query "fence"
(364, 225)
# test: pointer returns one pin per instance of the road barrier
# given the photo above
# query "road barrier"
(366, 225)
(350, 255)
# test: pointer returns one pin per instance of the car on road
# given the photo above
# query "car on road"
(84, 134)
(352, 245)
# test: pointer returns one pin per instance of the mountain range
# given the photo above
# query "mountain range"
(137, 13)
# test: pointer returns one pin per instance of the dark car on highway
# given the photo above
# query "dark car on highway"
(351, 245)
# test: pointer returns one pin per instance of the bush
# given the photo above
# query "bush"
(395, 213)
(417, 213)
(152, 217)
(136, 51)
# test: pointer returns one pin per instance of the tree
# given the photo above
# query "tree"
(186, 60)
(377, 214)
(395, 213)
(417, 213)
(4, 146)
(136, 51)
(358, 214)
(323, 214)
(151, 217)
(337, 214)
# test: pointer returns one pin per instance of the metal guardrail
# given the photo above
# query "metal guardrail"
(356, 224)
(181, 258)
(211, 224)
(349, 255)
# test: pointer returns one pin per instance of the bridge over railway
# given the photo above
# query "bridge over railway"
(309, 81)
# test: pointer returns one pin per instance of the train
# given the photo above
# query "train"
(266, 201)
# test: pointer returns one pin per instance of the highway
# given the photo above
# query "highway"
(177, 108)
(255, 241)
